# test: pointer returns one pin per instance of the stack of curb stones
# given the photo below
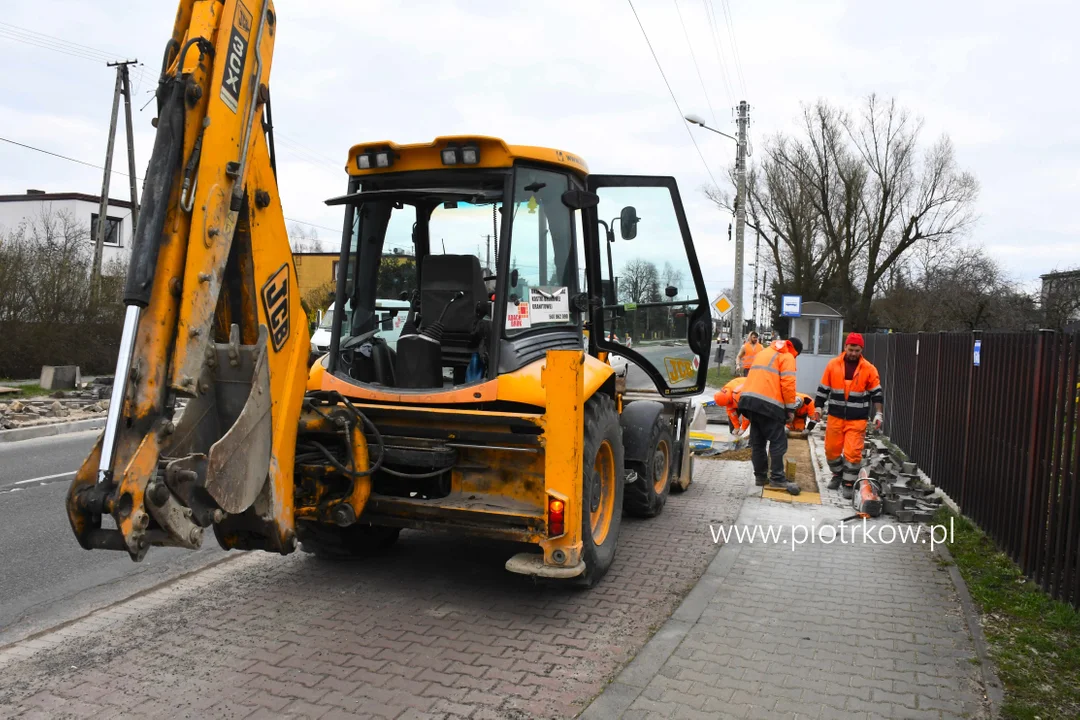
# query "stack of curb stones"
(904, 494)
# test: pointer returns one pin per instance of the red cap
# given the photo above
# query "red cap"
(855, 339)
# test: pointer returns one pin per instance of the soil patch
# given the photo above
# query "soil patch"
(799, 451)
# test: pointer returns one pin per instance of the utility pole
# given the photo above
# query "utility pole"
(743, 120)
(757, 261)
(123, 87)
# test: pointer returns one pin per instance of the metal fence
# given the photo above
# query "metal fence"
(997, 431)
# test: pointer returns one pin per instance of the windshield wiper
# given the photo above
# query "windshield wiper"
(472, 195)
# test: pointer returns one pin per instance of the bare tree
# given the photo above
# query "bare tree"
(639, 282)
(843, 204)
(304, 238)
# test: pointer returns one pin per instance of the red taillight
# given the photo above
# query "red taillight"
(556, 517)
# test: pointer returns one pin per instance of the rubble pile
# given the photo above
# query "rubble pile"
(88, 401)
(903, 492)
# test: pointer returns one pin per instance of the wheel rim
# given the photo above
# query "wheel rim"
(602, 497)
(661, 465)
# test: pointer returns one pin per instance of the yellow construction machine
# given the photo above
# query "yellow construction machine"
(494, 411)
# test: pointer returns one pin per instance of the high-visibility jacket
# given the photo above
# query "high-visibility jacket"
(770, 385)
(728, 397)
(749, 353)
(849, 399)
(804, 412)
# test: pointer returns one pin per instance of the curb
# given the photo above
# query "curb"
(621, 692)
(38, 431)
(995, 693)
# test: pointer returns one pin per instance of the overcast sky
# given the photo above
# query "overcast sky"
(999, 77)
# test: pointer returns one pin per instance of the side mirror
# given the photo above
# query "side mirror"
(513, 277)
(628, 221)
(671, 291)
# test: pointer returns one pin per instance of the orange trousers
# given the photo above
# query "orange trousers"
(844, 444)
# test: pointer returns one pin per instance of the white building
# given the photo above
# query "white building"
(16, 209)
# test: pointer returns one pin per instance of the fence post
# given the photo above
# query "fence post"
(1033, 454)
(933, 468)
(914, 400)
(967, 424)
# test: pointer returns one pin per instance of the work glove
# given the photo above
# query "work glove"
(790, 416)
(879, 420)
(817, 416)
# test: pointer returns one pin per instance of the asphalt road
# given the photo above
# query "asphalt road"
(47, 578)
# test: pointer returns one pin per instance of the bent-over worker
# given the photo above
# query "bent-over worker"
(768, 399)
(804, 413)
(727, 397)
(849, 386)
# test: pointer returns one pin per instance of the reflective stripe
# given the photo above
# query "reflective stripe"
(787, 374)
(763, 398)
(767, 368)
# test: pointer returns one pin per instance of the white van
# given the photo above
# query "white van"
(391, 314)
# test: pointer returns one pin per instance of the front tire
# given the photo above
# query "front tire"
(602, 488)
(645, 497)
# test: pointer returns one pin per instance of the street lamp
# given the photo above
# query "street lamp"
(740, 216)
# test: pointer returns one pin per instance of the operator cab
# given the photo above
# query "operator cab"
(487, 246)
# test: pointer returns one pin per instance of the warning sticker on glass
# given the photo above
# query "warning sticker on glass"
(549, 304)
(517, 315)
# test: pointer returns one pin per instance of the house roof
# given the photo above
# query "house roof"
(35, 196)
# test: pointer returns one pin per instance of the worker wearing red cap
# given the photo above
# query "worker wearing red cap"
(728, 398)
(849, 386)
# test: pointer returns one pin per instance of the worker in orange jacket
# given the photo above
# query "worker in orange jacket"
(728, 398)
(804, 414)
(749, 350)
(849, 386)
(768, 400)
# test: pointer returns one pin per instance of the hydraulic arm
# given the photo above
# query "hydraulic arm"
(212, 314)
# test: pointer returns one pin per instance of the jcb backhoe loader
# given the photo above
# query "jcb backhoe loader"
(496, 413)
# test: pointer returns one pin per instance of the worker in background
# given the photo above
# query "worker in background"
(768, 400)
(728, 398)
(849, 386)
(747, 353)
(804, 414)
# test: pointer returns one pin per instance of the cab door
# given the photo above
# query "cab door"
(649, 300)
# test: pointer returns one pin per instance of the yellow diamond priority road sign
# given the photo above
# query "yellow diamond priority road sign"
(722, 305)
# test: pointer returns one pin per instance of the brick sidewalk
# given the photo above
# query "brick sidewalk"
(436, 628)
(825, 631)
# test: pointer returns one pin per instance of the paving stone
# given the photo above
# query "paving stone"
(437, 627)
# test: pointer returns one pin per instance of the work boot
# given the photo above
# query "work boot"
(834, 484)
(760, 480)
(790, 487)
(847, 492)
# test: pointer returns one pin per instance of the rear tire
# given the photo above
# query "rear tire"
(602, 488)
(645, 497)
(331, 542)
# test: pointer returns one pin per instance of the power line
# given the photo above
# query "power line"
(694, 58)
(49, 42)
(117, 172)
(734, 43)
(62, 157)
(710, 16)
(672, 93)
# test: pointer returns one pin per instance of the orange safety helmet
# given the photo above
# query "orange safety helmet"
(723, 397)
